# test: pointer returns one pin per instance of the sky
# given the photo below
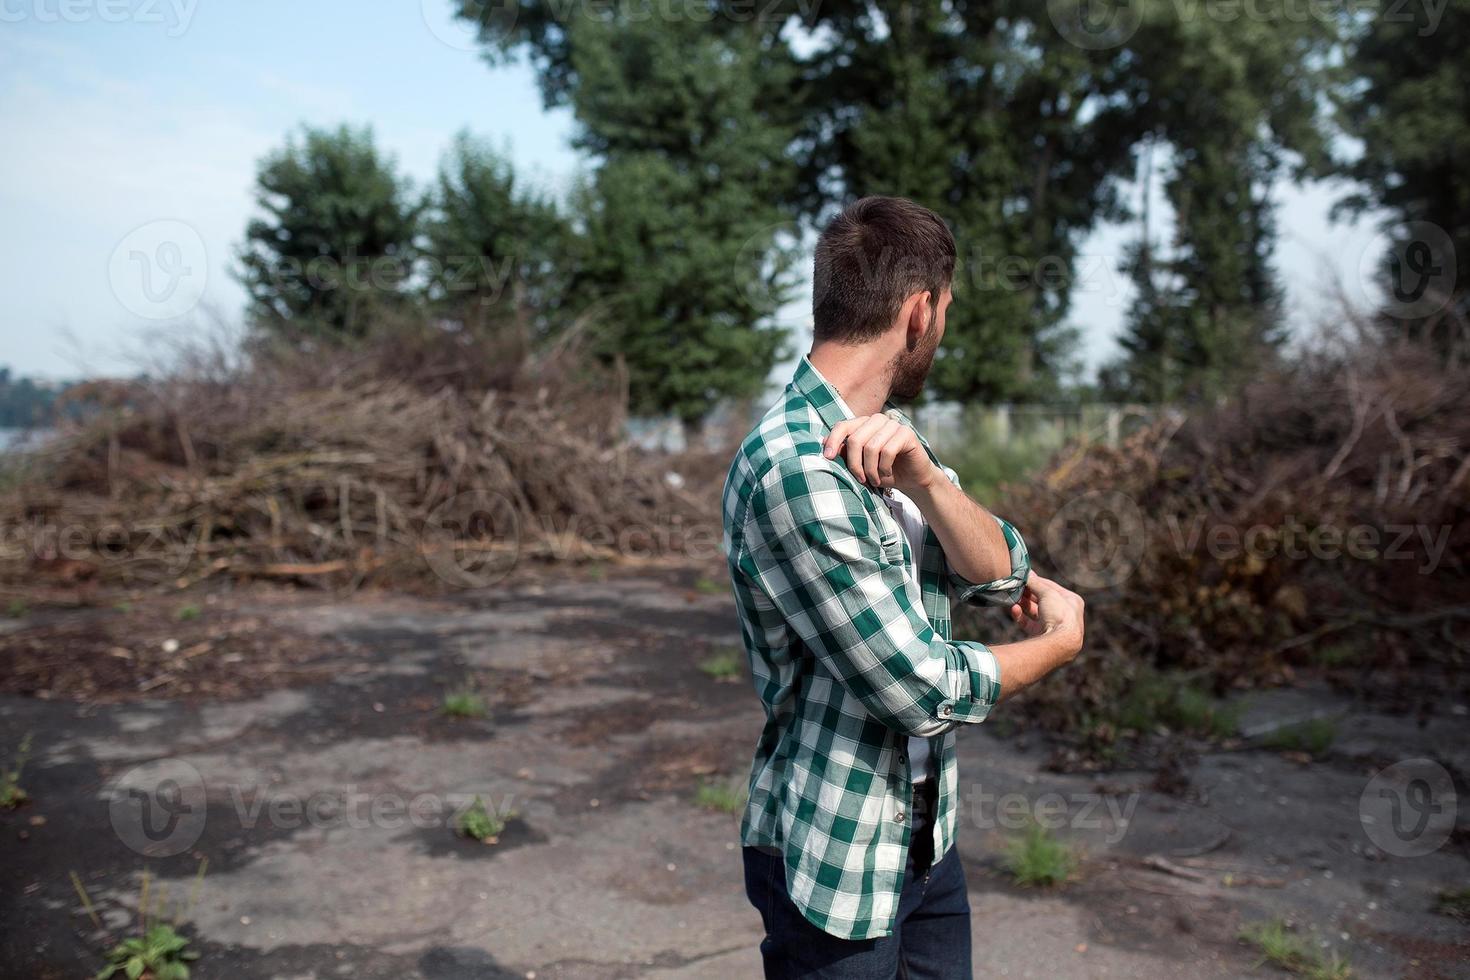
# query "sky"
(133, 129)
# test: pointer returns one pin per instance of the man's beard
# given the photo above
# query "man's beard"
(911, 368)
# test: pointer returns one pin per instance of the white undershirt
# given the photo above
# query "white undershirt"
(911, 521)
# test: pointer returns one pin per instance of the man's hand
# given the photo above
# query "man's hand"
(1047, 607)
(882, 452)
(1052, 618)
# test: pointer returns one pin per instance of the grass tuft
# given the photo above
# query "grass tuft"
(11, 794)
(464, 704)
(1283, 948)
(188, 613)
(1454, 902)
(1157, 700)
(1313, 737)
(1037, 859)
(482, 824)
(720, 797)
(724, 665)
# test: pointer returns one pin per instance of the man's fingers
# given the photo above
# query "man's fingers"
(874, 452)
(856, 438)
(832, 445)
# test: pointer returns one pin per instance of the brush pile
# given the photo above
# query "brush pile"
(1318, 520)
(426, 457)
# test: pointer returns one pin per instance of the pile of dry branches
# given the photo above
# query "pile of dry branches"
(1317, 520)
(428, 457)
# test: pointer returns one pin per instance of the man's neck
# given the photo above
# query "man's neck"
(861, 374)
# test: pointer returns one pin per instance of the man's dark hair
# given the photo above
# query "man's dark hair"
(875, 254)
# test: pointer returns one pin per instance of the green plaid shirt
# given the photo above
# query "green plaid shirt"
(850, 658)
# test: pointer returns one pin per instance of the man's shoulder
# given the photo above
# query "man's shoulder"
(787, 441)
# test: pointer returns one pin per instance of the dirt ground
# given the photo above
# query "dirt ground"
(296, 741)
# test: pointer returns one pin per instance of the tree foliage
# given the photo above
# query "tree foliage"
(682, 250)
(1225, 102)
(495, 252)
(336, 239)
(1016, 128)
(1408, 102)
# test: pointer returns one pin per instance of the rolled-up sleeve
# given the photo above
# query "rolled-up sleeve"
(811, 543)
(1002, 591)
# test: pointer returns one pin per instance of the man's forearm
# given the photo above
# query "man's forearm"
(1027, 661)
(973, 542)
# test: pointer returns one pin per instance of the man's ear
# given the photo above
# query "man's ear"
(920, 319)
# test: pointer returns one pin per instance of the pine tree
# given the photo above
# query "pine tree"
(336, 243)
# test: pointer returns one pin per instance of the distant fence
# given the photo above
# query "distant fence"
(947, 425)
(950, 425)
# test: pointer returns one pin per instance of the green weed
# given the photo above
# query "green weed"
(1037, 858)
(482, 824)
(721, 797)
(464, 704)
(724, 665)
(1283, 948)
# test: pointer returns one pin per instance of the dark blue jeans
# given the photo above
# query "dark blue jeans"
(930, 940)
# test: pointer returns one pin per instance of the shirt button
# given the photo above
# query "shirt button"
(946, 711)
(898, 817)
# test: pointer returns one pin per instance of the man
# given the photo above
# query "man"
(845, 539)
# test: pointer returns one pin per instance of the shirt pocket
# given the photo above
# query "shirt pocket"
(890, 535)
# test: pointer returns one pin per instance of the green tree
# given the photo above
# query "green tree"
(1224, 102)
(336, 242)
(983, 113)
(495, 253)
(1407, 99)
(683, 223)
(24, 402)
(1019, 125)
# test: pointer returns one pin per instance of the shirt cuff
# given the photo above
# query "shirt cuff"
(1002, 591)
(984, 676)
